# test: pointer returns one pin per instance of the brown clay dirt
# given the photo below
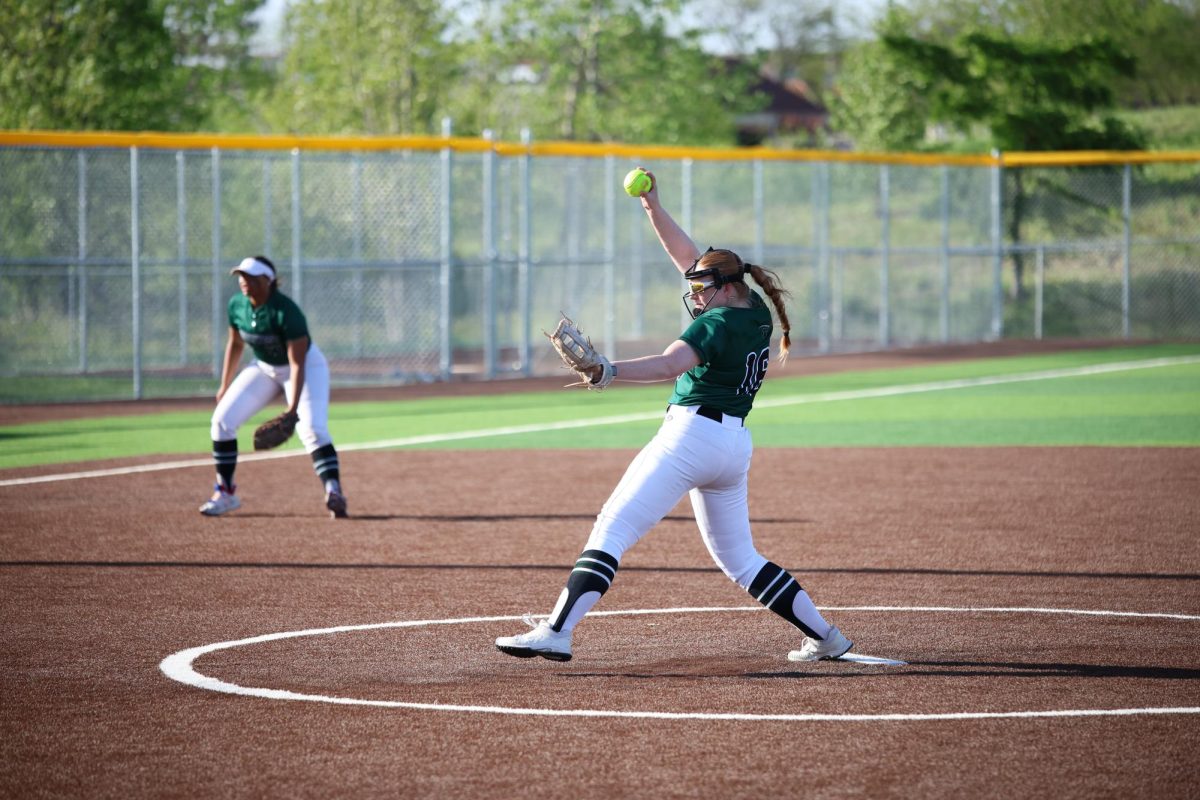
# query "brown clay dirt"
(102, 578)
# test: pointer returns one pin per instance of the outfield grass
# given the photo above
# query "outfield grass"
(1157, 406)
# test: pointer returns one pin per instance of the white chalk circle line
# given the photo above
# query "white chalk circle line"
(178, 666)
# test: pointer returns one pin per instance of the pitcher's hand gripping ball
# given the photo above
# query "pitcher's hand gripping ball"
(576, 351)
(274, 432)
(637, 182)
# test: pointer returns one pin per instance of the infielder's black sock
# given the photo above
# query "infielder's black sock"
(593, 574)
(225, 454)
(325, 463)
(776, 589)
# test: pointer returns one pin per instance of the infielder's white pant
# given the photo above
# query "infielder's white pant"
(693, 455)
(260, 383)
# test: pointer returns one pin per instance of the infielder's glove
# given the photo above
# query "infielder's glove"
(275, 432)
(576, 351)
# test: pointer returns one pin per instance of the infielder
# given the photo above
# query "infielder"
(285, 359)
(703, 447)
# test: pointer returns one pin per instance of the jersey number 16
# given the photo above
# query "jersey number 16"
(756, 371)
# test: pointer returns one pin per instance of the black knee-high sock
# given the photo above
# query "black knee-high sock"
(776, 589)
(325, 463)
(225, 456)
(594, 572)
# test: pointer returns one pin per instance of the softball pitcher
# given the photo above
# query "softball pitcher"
(703, 448)
(285, 360)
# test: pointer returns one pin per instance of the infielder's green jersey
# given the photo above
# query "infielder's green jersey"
(268, 328)
(734, 345)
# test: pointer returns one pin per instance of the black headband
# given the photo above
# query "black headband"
(719, 279)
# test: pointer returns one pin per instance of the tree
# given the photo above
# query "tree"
(1160, 35)
(102, 65)
(1028, 95)
(212, 43)
(602, 70)
(800, 39)
(876, 101)
(369, 67)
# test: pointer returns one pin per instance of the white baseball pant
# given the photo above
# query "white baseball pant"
(260, 383)
(706, 459)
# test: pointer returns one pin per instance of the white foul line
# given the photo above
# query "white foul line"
(178, 666)
(542, 427)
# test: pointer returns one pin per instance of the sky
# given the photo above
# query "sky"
(270, 18)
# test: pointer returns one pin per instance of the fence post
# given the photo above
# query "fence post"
(82, 250)
(1039, 296)
(885, 320)
(760, 222)
(215, 271)
(356, 282)
(525, 255)
(944, 304)
(135, 259)
(997, 174)
(268, 192)
(838, 293)
(685, 189)
(446, 217)
(610, 256)
(181, 252)
(297, 222)
(1126, 244)
(637, 268)
(489, 257)
(821, 237)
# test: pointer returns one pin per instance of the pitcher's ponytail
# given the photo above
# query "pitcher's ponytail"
(770, 284)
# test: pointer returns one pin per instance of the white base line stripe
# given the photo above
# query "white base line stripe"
(178, 666)
(542, 427)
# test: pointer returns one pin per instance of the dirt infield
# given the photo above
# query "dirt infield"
(100, 579)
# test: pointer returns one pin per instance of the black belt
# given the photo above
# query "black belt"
(715, 414)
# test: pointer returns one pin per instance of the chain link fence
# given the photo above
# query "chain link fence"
(444, 260)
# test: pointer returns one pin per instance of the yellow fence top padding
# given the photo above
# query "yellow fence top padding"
(646, 153)
(1083, 158)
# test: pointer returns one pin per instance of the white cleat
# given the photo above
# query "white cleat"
(222, 502)
(542, 641)
(834, 645)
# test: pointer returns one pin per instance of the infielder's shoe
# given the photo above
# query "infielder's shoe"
(542, 641)
(834, 645)
(336, 503)
(222, 502)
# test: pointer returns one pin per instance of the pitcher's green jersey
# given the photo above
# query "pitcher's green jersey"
(268, 328)
(734, 345)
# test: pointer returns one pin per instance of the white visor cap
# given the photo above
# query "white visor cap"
(252, 266)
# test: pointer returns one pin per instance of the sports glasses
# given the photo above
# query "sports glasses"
(701, 280)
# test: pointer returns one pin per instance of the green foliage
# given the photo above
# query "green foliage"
(801, 39)
(212, 48)
(1167, 128)
(880, 104)
(375, 67)
(125, 64)
(1160, 36)
(107, 65)
(1029, 94)
(597, 71)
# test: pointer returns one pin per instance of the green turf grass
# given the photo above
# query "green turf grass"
(1159, 406)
